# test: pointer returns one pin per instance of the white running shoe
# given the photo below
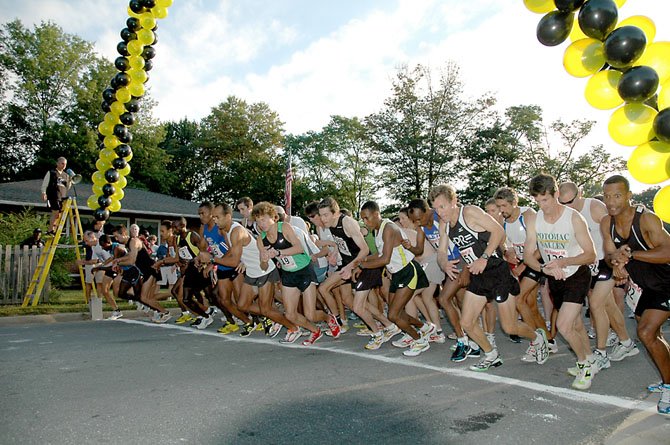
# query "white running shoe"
(612, 339)
(584, 377)
(437, 338)
(403, 342)
(620, 352)
(529, 356)
(417, 347)
(206, 321)
(376, 341)
(115, 315)
(389, 332)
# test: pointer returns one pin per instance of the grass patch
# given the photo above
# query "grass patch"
(64, 301)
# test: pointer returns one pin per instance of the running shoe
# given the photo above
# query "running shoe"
(115, 315)
(541, 349)
(583, 379)
(403, 342)
(313, 338)
(601, 361)
(515, 339)
(229, 328)
(163, 318)
(663, 406)
(437, 338)
(591, 332)
(376, 341)
(359, 325)
(184, 318)
(464, 351)
(531, 354)
(267, 325)
(344, 327)
(452, 336)
(389, 332)
(612, 339)
(574, 371)
(204, 322)
(259, 325)
(620, 352)
(274, 330)
(427, 330)
(490, 360)
(365, 332)
(655, 387)
(247, 329)
(291, 336)
(334, 327)
(417, 347)
(553, 346)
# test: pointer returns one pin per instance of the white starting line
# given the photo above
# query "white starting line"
(566, 393)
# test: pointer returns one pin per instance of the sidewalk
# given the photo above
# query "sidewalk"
(70, 317)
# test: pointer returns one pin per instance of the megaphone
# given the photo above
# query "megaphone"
(75, 178)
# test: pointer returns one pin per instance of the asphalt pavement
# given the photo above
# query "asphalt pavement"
(66, 381)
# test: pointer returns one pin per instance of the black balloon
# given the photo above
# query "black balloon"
(122, 48)
(108, 189)
(101, 138)
(101, 214)
(121, 64)
(120, 130)
(638, 84)
(122, 79)
(155, 39)
(104, 201)
(149, 52)
(119, 164)
(127, 138)
(133, 24)
(554, 28)
(127, 119)
(133, 105)
(114, 83)
(597, 18)
(112, 175)
(127, 35)
(624, 46)
(105, 106)
(568, 5)
(109, 95)
(148, 64)
(136, 6)
(148, 3)
(662, 126)
(123, 150)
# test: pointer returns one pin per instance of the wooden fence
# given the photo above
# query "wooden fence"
(17, 265)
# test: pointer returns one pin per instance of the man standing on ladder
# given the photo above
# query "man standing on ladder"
(54, 189)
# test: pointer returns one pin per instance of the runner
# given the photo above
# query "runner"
(638, 247)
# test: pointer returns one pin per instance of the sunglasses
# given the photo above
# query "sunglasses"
(568, 202)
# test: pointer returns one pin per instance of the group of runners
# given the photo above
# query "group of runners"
(271, 272)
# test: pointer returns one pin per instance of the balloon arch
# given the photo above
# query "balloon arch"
(629, 72)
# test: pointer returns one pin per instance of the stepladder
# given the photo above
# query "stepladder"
(69, 216)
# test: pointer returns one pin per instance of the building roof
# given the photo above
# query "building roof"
(135, 201)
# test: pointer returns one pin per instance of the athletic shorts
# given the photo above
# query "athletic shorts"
(411, 276)
(168, 275)
(572, 290)
(88, 273)
(226, 274)
(271, 277)
(532, 274)
(652, 299)
(54, 203)
(131, 275)
(495, 283)
(193, 278)
(367, 279)
(601, 272)
(433, 271)
(301, 279)
(99, 276)
(321, 274)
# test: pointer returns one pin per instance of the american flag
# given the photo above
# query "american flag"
(288, 187)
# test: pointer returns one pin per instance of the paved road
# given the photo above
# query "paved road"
(134, 382)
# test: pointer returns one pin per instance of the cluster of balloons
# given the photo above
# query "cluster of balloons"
(629, 72)
(121, 102)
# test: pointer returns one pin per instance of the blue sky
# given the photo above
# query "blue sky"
(312, 59)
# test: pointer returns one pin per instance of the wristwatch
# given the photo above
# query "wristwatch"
(630, 255)
(485, 256)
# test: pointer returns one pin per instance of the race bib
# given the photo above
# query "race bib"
(518, 249)
(594, 268)
(185, 253)
(468, 255)
(632, 295)
(287, 262)
(342, 246)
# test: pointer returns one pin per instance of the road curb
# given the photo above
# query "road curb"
(69, 317)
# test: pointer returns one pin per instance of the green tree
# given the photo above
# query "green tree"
(186, 169)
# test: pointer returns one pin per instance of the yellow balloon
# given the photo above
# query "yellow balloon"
(137, 75)
(119, 193)
(98, 178)
(159, 13)
(111, 142)
(132, 13)
(123, 95)
(135, 47)
(92, 202)
(601, 90)
(97, 189)
(136, 89)
(125, 171)
(646, 24)
(102, 164)
(577, 33)
(539, 6)
(650, 162)
(129, 157)
(136, 62)
(163, 3)
(584, 57)
(632, 124)
(118, 108)
(121, 183)
(106, 129)
(147, 21)
(657, 56)
(664, 96)
(662, 203)
(620, 3)
(107, 155)
(112, 119)
(115, 206)
(145, 36)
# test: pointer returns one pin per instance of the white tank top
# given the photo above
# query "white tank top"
(400, 257)
(594, 229)
(516, 233)
(558, 240)
(251, 257)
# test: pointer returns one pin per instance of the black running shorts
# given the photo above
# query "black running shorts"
(572, 290)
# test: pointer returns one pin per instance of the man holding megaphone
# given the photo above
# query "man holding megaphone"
(54, 189)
